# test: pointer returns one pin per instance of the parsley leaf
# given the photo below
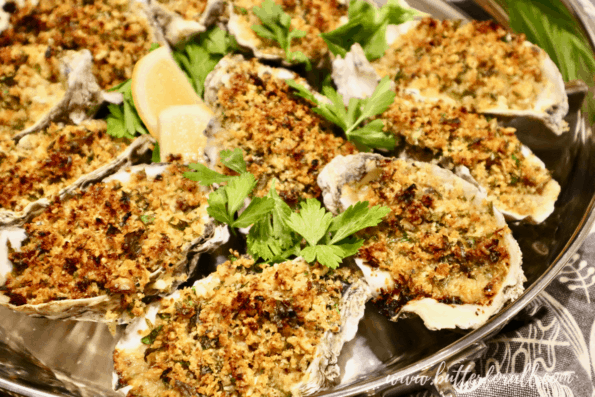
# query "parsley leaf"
(367, 26)
(370, 135)
(200, 55)
(205, 176)
(302, 223)
(234, 160)
(123, 120)
(156, 156)
(276, 26)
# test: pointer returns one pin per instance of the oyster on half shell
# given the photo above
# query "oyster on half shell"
(58, 160)
(476, 149)
(443, 253)
(246, 328)
(281, 136)
(101, 253)
(465, 64)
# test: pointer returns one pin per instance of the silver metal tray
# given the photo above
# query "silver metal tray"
(39, 357)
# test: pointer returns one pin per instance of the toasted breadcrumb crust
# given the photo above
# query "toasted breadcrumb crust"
(43, 163)
(435, 242)
(115, 31)
(478, 64)
(108, 240)
(311, 16)
(279, 133)
(187, 9)
(30, 85)
(491, 153)
(254, 334)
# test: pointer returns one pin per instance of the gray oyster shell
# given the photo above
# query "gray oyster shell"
(359, 168)
(95, 309)
(176, 28)
(355, 77)
(323, 370)
(138, 149)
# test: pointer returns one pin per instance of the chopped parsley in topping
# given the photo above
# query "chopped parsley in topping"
(467, 62)
(100, 235)
(433, 243)
(493, 154)
(115, 31)
(255, 333)
(43, 163)
(310, 16)
(280, 135)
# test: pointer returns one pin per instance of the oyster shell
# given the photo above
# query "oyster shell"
(66, 158)
(180, 20)
(306, 15)
(230, 299)
(478, 150)
(295, 144)
(423, 258)
(536, 91)
(146, 264)
(48, 83)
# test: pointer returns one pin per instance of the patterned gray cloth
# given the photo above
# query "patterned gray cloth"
(548, 349)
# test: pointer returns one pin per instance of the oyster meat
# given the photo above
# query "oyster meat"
(478, 64)
(281, 136)
(102, 253)
(470, 144)
(56, 161)
(57, 58)
(443, 252)
(311, 16)
(272, 330)
(180, 20)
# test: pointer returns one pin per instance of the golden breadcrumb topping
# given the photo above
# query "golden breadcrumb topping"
(491, 153)
(253, 330)
(43, 163)
(478, 64)
(187, 9)
(115, 31)
(30, 85)
(109, 240)
(279, 133)
(311, 16)
(437, 241)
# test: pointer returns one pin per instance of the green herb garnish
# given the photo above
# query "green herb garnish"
(146, 219)
(351, 117)
(199, 56)
(367, 26)
(149, 339)
(277, 232)
(276, 26)
(123, 120)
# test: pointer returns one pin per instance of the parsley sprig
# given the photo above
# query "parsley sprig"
(199, 57)
(123, 120)
(277, 232)
(350, 118)
(276, 26)
(367, 26)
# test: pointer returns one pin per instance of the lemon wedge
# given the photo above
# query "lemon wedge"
(157, 84)
(182, 131)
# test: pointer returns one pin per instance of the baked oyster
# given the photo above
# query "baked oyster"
(281, 136)
(180, 20)
(58, 160)
(58, 58)
(245, 329)
(471, 145)
(479, 65)
(106, 252)
(443, 253)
